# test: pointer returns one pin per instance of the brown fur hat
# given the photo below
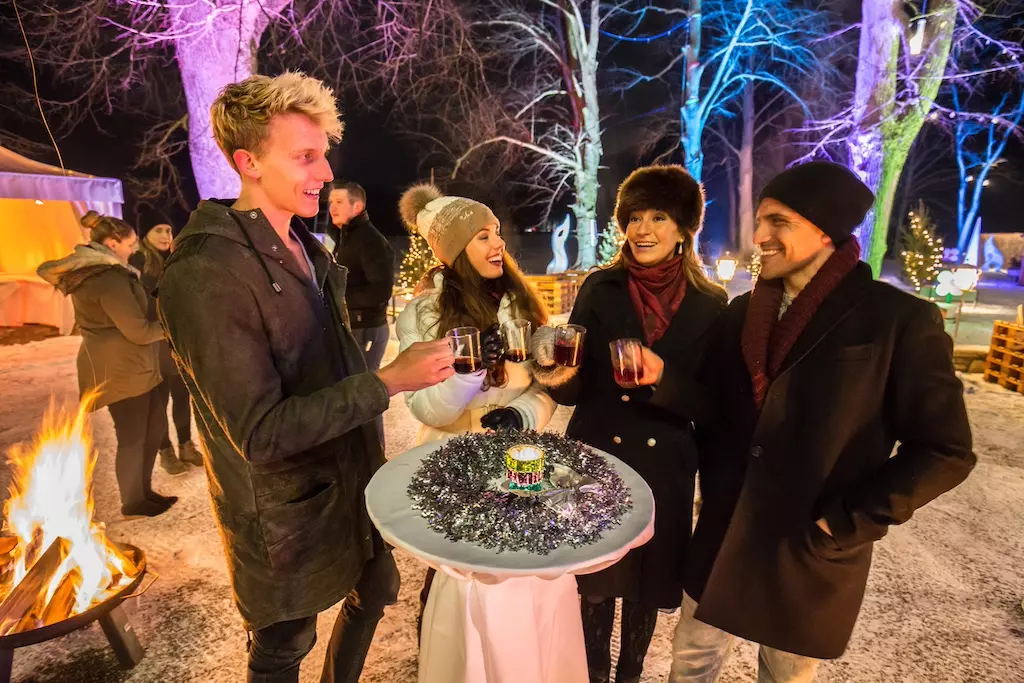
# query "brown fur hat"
(662, 188)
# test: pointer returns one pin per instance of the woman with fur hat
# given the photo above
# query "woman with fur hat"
(656, 292)
(477, 285)
(155, 242)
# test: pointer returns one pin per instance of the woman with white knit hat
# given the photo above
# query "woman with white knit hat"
(477, 285)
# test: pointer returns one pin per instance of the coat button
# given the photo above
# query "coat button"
(625, 398)
(273, 247)
(253, 214)
(617, 439)
(757, 451)
(652, 443)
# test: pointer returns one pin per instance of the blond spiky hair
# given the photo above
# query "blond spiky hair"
(241, 113)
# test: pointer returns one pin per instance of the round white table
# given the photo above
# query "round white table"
(500, 617)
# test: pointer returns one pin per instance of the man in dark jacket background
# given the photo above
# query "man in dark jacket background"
(821, 370)
(370, 261)
(254, 309)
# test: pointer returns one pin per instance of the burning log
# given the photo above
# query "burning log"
(63, 601)
(8, 544)
(27, 597)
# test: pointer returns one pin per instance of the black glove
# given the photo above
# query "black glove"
(492, 347)
(502, 418)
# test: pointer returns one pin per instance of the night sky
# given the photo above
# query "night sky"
(385, 162)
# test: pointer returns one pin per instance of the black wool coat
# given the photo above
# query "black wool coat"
(284, 406)
(650, 430)
(873, 366)
(370, 260)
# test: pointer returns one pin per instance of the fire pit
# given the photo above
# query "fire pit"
(58, 570)
(109, 613)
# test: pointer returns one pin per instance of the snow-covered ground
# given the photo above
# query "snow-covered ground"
(943, 603)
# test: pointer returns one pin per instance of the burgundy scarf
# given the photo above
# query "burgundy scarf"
(656, 292)
(766, 340)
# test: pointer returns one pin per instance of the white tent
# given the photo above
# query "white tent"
(40, 208)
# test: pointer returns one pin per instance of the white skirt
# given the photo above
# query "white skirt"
(519, 630)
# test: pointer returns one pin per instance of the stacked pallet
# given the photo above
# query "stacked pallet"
(1005, 363)
(558, 292)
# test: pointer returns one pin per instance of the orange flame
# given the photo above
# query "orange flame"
(51, 497)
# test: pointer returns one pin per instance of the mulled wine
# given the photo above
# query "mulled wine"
(628, 376)
(466, 365)
(517, 355)
(569, 353)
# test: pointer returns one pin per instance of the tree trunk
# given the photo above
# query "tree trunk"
(884, 128)
(224, 53)
(746, 187)
(589, 149)
(691, 129)
(730, 179)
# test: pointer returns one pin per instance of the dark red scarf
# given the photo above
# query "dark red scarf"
(767, 340)
(656, 292)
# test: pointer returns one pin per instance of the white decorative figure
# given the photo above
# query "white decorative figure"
(993, 257)
(560, 262)
(947, 285)
(973, 252)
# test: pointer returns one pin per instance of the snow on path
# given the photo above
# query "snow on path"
(943, 603)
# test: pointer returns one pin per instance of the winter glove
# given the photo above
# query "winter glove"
(492, 347)
(542, 346)
(502, 419)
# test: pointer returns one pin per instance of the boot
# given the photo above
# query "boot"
(188, 453)
(170, 462)
(146, 508)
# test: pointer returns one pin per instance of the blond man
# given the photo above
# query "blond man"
(255, 312)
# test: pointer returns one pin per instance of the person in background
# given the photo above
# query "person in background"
(478, 285)
(254, 309)
(657, 292)
(370, 260)
(155, 242)
(819, 371)
(118, 359)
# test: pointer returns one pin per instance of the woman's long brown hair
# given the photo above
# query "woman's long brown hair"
(154, 265)
(468, 300)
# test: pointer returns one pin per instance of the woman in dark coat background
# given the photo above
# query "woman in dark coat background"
(155, 241)
(118, 359)
(656, 292)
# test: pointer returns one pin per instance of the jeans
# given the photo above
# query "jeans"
(699, 652)
(638, 624)
(173, 389)
(374, 342)
(276, 651)
(140, 424)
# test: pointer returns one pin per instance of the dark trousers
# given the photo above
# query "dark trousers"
(173, 389)
(275, 652)
(374, 342)
(638, 624)
(140, 423)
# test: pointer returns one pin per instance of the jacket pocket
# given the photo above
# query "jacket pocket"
(859, 352)
(302, 535)
(826, 548)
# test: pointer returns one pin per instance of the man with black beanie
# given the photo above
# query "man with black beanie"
(820, 370)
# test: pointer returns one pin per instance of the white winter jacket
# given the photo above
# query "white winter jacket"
(456, 405)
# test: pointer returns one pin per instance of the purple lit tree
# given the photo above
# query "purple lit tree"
(902, 63)
(168, 60)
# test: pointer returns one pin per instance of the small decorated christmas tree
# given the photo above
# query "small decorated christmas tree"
(417, 262)
(921, 255)
(610, 244)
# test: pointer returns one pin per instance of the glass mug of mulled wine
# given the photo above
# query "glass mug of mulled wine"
(569, 345)
(465, 343)
(516, 335)
(627, 362)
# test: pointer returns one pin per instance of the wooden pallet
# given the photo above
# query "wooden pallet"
(1005, 362)
(558, 292)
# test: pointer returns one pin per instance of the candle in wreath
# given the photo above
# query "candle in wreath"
(525, 468)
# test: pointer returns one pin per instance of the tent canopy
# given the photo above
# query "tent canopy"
(40, 209)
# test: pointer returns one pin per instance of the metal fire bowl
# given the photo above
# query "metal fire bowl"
(77, 621)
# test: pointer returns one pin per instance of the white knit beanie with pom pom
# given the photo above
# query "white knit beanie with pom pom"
(446, 223)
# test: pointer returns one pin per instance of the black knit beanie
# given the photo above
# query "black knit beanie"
(147, 218)
(826, 194)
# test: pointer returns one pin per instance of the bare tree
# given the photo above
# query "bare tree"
(169, 60)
